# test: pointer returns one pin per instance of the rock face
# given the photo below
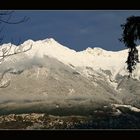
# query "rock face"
(51, 78)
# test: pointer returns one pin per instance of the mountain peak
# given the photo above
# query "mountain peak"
(94, 51)
(49, 40)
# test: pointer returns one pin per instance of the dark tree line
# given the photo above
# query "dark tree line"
(131, 34)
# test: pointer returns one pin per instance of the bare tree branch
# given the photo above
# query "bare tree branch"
(17, 50)
(5, 13)
(6, 51)
(17, 22)
(5, 17)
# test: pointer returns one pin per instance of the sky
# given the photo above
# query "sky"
(76, 29)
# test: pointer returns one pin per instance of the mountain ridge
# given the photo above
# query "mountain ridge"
(96, 58)
(57, 77)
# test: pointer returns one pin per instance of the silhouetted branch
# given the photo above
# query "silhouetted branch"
(5, 13)
(17, 22)
(6, 51)
(5, 17)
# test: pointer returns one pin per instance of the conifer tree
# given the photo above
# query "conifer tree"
(131, 34)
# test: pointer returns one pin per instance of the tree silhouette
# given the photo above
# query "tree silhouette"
(131, 34)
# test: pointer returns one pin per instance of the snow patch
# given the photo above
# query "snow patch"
(127, 106)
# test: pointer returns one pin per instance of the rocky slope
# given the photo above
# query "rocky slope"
(51, 78)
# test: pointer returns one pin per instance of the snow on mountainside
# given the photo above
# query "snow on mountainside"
(96, 58)
(53, 75)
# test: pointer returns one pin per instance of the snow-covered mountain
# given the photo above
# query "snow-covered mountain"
(52, 76)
